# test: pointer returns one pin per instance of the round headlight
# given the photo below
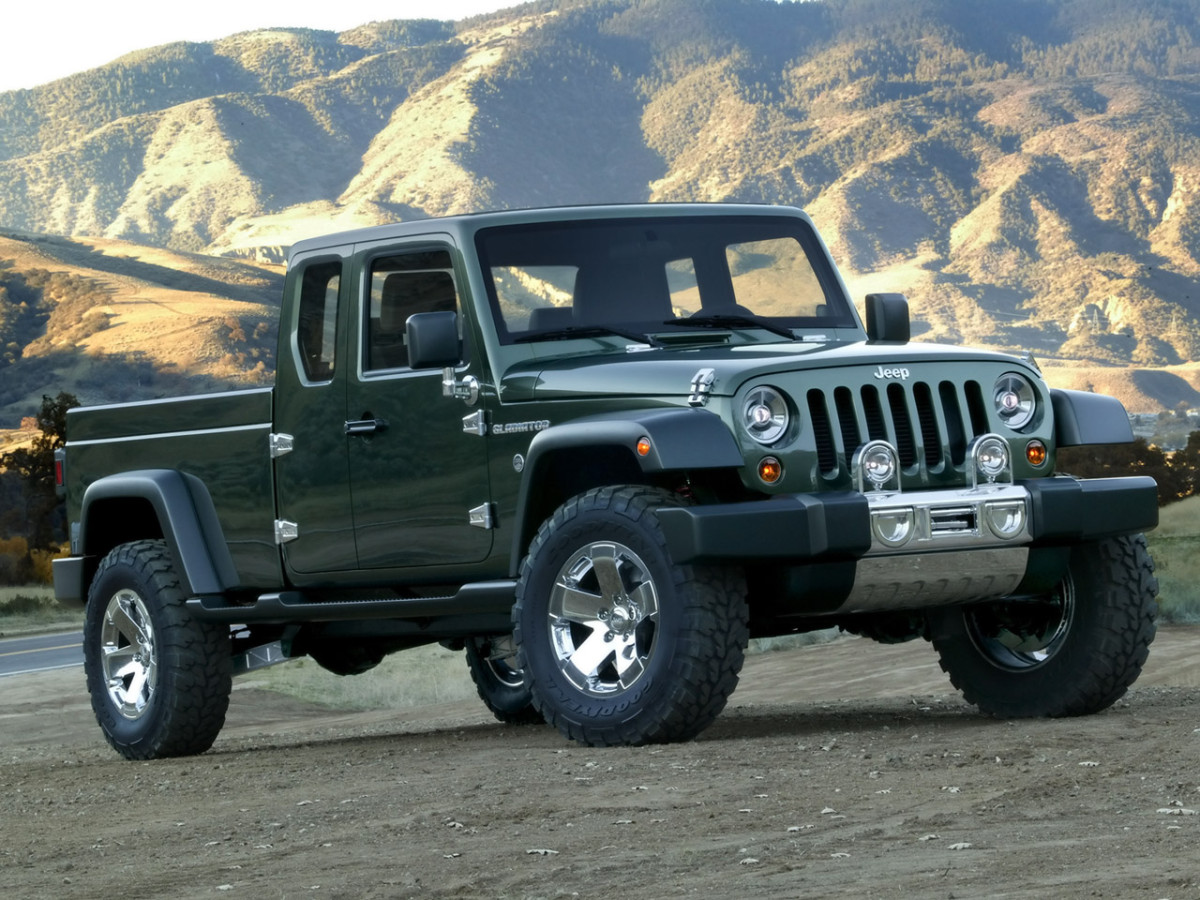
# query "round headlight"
(765, 415)
(1015, 400)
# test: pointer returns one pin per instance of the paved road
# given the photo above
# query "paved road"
(40, 653)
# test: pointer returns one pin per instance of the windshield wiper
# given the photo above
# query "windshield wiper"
(585, 331)
(733, 321)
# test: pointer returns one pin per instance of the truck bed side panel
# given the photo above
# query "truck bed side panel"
(221, 440)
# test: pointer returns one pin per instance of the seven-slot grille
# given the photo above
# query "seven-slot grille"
(929, 423)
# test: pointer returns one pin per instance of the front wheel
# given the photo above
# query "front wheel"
(159, 680)
(1072, 652)
(619, 645)
(499, 681)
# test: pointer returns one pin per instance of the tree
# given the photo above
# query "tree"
(38, 518)
(1177, 475)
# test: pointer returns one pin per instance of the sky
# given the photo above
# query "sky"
(43, 40)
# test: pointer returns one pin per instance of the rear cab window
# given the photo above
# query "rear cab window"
(315, 341)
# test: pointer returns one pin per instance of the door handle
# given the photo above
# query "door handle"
(366, 426)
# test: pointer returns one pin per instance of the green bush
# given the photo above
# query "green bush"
(26, 604)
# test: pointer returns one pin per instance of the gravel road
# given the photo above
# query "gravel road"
(844, 769)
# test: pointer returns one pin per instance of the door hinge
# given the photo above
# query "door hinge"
(286, 531)
(281, 444)
(475, 423)
(482, 517)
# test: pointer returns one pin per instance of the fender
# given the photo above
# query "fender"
(1082, 418)
(680, 439)
(186, 517)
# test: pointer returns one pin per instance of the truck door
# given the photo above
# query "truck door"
(419, 483)
(315, 524)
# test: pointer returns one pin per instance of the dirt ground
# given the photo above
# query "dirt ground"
(844, 769)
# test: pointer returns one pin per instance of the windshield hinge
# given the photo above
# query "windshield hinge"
(281, 444)
(466, 390)
(286, 531)
(702, 385)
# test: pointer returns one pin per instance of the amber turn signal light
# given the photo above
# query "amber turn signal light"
(1035, 452)
(643, 446)
(770, 470)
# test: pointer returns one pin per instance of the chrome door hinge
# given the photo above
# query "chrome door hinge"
(702, 385)
(476, 423)
(483, 517)
(281, 444)
(286, 531)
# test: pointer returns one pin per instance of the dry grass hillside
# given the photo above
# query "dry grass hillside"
(1026, 170)
(120, 321)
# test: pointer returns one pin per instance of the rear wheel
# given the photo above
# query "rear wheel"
(159, 680)
(1072, 652)
(619, 644)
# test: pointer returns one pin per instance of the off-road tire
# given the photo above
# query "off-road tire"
(1096, 631)
(678, 631)
(500, 684)
(159, 680)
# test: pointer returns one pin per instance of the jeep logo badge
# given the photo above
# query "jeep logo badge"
(902, 374)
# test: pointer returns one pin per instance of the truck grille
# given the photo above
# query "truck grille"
(929, 423)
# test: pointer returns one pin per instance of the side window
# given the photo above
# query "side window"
(402, 285)
(316, 331)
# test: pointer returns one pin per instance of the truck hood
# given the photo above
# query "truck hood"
(669, 372)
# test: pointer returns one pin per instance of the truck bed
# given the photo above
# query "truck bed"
(220, 439)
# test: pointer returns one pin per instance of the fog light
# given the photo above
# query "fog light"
(875, 462)
(770, 470)
(893, 527)
(1006, 520)
(988, 459)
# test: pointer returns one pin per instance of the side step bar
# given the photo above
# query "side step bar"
(481, 598)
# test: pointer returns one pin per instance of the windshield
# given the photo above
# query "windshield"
(657, 276)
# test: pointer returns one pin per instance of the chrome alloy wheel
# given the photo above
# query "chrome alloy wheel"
(501, 660)
(1022, 635)
(129, 656)
(603, 618)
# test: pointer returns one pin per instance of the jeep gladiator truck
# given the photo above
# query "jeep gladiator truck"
(599, 449)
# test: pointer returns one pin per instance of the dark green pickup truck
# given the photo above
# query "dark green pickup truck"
(598, 448)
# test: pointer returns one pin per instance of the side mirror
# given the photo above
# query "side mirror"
(433, 343)
(432, 339)
(887, 318)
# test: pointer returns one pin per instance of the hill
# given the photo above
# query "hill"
(1028, 171)
(111, 321)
